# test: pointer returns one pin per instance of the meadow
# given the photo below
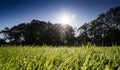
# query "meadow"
(59, 58)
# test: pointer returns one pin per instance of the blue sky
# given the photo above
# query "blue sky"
(14, 12)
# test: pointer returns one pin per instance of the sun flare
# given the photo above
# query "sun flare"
(65, 19)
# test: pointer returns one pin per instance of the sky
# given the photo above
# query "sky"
(77, 12)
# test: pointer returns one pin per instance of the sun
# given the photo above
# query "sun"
(64, 19)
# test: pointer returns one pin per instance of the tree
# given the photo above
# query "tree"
(35, 32)
(7, 34)
(18, 34)
(2, 42)
(69, 35)
(104, 30)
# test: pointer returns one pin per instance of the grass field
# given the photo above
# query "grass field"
(59, 58)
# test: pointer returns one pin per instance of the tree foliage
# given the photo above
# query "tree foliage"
(38, 33)
(105, 30)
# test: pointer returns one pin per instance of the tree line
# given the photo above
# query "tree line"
(38, 33)
(104, 30)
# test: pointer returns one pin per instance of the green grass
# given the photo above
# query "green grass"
(59, 58)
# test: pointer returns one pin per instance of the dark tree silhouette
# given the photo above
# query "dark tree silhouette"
(105, 30)
(35, 32)
(7, 34)
(38, 33)
(2, 42)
